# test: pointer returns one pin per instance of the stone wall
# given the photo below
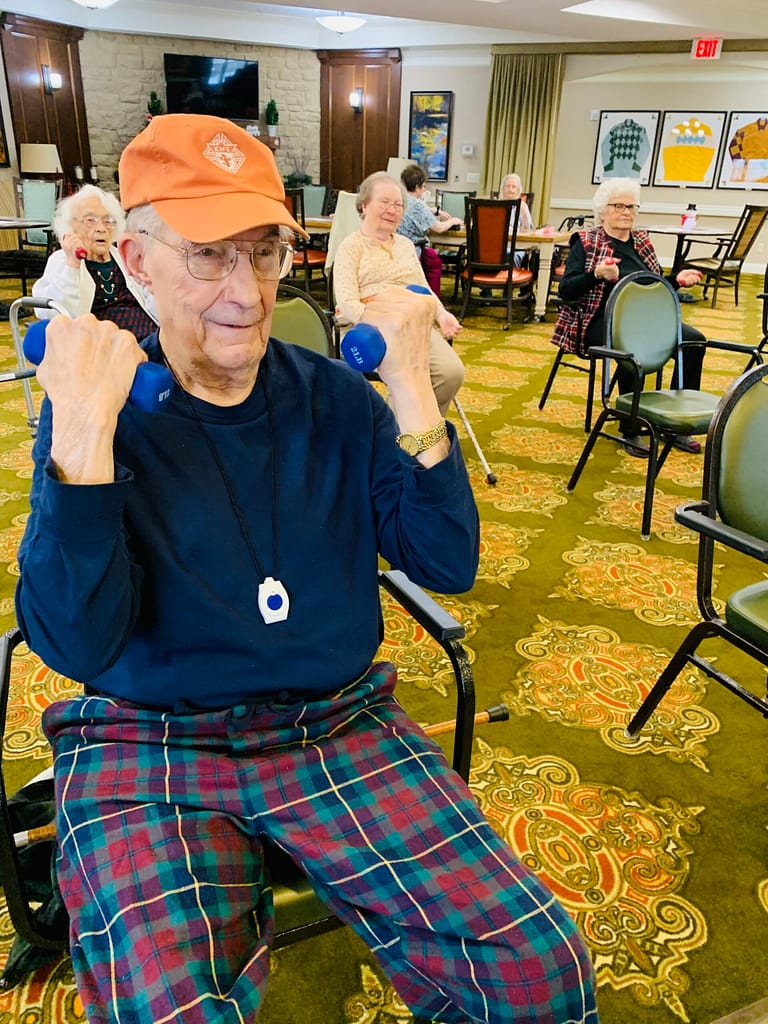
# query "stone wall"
(120, 71)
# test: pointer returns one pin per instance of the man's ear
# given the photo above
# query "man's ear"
(132, 253)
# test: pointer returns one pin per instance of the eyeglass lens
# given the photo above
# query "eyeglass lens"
(621, 207)
(92, 221)
(209, 261)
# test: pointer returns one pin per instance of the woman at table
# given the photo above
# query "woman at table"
(418, 221)
(512, 188)
(597, 259)
(375, 257)
(86, 274)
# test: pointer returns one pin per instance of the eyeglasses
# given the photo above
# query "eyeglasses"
(384, 205)
(91, 221)
(622, 207)
(212, 261)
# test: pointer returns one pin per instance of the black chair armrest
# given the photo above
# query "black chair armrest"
(731, 346)
(448, 633)
(695, 516)
(427, 612)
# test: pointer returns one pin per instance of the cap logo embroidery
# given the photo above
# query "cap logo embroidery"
(224, 153)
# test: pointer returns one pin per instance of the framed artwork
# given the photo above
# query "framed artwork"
(745, 154)
(625, 145)
(5, 160)
(689, 145)
(429, 132)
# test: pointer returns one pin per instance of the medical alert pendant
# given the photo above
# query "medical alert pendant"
(273, 601)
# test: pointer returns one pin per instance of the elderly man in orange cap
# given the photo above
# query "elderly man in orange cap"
(208, 572)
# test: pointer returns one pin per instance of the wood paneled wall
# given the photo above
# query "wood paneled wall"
(57, 117)
(353, 145)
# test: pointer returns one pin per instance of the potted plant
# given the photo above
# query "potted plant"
(272, 117)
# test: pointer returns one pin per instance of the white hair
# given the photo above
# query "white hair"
(514, 178)
(66, 210)
(365, 191)
(612, 187)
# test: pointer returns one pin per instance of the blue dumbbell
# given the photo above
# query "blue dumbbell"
(363, 346)
(152, 385)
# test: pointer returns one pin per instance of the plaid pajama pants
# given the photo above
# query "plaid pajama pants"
(160, 821)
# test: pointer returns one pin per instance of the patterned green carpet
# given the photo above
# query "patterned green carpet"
(657, 846)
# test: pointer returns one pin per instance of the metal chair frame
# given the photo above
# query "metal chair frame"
(720, 518)
(662, 430)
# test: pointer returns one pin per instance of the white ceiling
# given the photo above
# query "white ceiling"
(440, 23)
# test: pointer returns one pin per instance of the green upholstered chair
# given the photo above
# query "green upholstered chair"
(299, 319)
(643, 332)
(316, 200)
(733, 512)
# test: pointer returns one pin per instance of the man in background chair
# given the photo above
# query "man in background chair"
(210, 573)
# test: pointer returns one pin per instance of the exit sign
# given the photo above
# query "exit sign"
(706, 49)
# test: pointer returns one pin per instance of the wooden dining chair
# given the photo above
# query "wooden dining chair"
(724, 265)
(489, 263)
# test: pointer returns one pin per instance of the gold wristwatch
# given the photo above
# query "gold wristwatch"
(414, 444)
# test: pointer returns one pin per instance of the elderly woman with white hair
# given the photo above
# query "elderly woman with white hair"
(597, 259)
(86, 274)
(376, 257)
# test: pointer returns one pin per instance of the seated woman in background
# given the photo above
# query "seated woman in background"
(418, 220)
(512, 188)
(597, 259)
(86, 275)
(376, 257)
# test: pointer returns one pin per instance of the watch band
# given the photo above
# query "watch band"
(414, 444)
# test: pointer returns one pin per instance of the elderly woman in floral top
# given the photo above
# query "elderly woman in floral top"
(375, 257)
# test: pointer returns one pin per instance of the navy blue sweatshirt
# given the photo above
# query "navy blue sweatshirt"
(146, 589)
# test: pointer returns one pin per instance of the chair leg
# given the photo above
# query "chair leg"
(467, 286)
(650, 483)
(715, 290)
(590, 397)
(587, 449)
(551, 378)
(668, 676)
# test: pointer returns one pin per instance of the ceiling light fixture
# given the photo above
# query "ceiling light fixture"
(94, 5)
(340, 23)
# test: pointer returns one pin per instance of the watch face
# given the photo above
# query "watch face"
(409, 444)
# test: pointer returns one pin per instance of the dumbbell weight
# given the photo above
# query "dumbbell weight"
(363, 346)
(152, 385)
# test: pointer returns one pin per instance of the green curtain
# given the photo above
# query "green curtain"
(521, 122)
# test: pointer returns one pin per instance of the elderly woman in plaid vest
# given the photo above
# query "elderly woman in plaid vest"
(597, 259)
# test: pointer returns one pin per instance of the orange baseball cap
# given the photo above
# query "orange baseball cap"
(206, 177)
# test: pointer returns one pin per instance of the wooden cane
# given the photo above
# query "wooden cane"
(499, 713)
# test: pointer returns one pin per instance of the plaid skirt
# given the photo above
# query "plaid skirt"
(161, 819)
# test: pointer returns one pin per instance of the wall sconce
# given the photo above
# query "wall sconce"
(356, 100)
(51, 79)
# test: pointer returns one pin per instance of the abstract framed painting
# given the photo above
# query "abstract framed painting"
(5, 159)
(625, 144)
(689, 147)
(429, 132)
(745, 154)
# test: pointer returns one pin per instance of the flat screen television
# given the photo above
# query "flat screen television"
(222, 86)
